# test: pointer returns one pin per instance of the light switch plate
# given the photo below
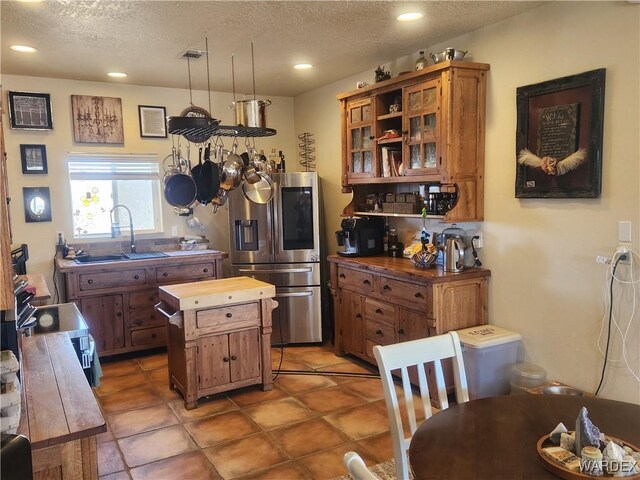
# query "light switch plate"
(624, 231)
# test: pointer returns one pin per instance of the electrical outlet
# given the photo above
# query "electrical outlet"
(174, 231)
(478, 242)
(623, 252)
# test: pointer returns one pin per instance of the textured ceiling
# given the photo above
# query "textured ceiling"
(86, 39)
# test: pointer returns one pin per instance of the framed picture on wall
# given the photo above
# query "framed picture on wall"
(559, 137)
(37, 204)
(153, 123)
(30, 111)
(34, 159)
(97, 119)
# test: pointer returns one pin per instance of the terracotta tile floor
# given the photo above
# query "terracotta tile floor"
(299, 430)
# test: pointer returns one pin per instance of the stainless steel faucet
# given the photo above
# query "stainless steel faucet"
(115, 227)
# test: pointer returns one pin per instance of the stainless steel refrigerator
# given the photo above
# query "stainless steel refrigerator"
(279, 243)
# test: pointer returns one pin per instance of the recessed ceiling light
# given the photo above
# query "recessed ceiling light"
(117, 74)
(407, 17)
(23, 48)
(302, 66)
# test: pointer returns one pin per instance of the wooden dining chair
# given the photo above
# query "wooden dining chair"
(396, 359)
(357, 468)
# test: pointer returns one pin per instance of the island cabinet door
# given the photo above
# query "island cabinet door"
(213, 361)
(244, 350)
(105, 318)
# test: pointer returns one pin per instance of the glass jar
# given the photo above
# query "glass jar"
(421, 62)
(393, 236)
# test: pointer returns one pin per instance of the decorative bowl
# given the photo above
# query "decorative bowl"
(424, 259)
(448, 54)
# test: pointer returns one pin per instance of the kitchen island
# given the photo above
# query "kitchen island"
(117, 297)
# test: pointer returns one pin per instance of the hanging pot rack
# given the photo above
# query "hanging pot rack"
(202, 128)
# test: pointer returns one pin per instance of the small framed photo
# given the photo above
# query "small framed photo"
(37, 204)
(34, 159)
(153, 123)
(30, 111)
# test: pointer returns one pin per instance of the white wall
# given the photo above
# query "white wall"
(545, 283)
(41, 236)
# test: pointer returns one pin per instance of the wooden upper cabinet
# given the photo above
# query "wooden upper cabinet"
(424, 127)
(360, 139)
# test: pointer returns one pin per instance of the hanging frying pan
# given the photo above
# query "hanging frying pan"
(179, 188)
(260, 192)
(197, 172)
(209, 178)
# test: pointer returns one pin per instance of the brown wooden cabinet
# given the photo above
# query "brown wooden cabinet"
(385, 300)
(117, 299)
(441, 137)
(7, 300)
(219, 335)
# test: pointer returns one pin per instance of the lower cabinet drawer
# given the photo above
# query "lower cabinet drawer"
(243, 314)
(183, 272)
(408, 293)
(380, 311)
(145, 317)
(368, 350)
(355, 280)
(149, 336)
(144, 299)
(380, 333)
(123, 278)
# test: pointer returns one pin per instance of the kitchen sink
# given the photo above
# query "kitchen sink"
(101, 258)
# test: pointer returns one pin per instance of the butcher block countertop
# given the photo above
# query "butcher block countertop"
(193, 256)
(215, 293)
(404, 267)
(58, 403)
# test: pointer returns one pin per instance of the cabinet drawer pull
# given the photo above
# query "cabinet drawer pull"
(386, 287)
(401, 331)
(136, 277)
(165, 274)
(233, 357)
(418, 295)
(90, 282)
(152, 316)
(205, 270)
(358, 315)
(379, 311)
(379, 332)
(119, 314)
(229, 315)
(153, 335)
(342, 275)
(152, 298)
(225, 359)
(366, 282)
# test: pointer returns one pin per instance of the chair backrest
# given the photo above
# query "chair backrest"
(397, 359)
(357, 468)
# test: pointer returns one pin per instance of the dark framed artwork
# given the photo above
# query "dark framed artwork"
(559, 137)
(37, 204)
(30, 111)
(153, 123)
(97, 119)
(34, 159)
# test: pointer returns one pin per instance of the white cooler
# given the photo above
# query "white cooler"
(488, 352)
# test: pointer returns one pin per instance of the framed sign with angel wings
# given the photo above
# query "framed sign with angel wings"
(559, 137)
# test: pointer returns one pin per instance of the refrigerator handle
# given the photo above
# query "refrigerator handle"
(280, 270)
(270, 226)
(295, 294)
(275, 225)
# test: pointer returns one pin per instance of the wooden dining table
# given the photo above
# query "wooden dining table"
(495, 438)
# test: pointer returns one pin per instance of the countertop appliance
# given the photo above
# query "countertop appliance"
(279, 243)
(65, 317)
(360, 236)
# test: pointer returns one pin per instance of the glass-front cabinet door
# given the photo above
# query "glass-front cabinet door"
(421, 128)
(360, 139)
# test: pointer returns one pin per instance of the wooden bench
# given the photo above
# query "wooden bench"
(60, 415)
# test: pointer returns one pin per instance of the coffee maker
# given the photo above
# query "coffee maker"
(360, 236)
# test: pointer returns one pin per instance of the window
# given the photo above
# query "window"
(99, 182)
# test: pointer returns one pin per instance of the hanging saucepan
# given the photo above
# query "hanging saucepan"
(219, 200)
(231, 171)
(251, 113)
(179, 188)
(260, 192)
